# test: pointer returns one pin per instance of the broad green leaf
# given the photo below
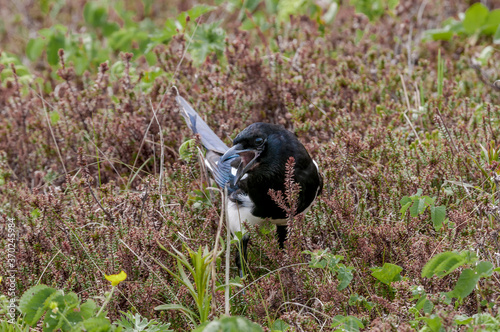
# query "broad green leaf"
(404, 208)
(420, 303)
(34, 48)
(462, 319)
(418, 207)
(56, 42)
(465, 284)
(428, 200)
(433, 322)
(32, 303)
(97, 325)
(387, 273)
(95, 15)
(439, 34)
(443, 264)
(484, 269)
(109, 27)
(344, 275)
(492, 23)
(279, 325)
(88, 309)
(428, 306)
(438, 215)
(475, 17)
(54, 320)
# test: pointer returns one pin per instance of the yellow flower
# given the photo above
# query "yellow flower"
(115, 279)
(1, 278)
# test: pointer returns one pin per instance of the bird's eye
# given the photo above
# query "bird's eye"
(259, 141)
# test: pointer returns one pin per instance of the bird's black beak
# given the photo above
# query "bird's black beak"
(248, 158)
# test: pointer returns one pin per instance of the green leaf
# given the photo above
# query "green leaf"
(109, 27)
(433, 322)
(34, 48)
(496, 37)
(209, 38)
(189, 313)
(279, 325)
(439, 34)
(229, 324)
(347, 323)
(492, 23)
(345, 276)
(486, 321)
(387, 273)
(54, 320)
(438, 215)
(428, 306)
(443, 264)
(56, 42)
(97, 325)
(32, 303)
(462, 319)
(404, 208)
(392, 4)
(88, 309)
(475, 17)
(418, 207)
(465, 284)
(484, 269)
(199, 10)
(95, 15)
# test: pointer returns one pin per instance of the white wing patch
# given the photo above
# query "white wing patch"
(208, 165)
(235, 170)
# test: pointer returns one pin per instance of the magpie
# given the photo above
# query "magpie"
(254, 164)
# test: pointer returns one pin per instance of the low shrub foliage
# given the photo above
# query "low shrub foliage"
(97, 167)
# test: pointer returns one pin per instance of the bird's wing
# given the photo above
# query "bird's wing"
(222, 172)
(209, 139)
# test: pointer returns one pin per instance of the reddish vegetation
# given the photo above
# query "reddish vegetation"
(343, 98)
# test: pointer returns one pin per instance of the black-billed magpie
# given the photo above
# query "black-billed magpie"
(253, 165)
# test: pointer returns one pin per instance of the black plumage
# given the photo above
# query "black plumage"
(254, 164)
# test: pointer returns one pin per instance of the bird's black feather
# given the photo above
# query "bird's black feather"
(256, 163)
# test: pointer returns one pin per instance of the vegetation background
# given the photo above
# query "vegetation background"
(396, 100)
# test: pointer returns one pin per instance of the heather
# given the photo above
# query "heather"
(403, 122)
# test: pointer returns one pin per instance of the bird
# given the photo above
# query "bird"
(255, 163)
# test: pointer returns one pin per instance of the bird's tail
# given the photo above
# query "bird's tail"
(209, 139)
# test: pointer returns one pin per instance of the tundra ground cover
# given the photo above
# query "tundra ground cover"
(406, 132)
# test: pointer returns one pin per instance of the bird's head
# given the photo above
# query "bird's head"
(249, 145)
